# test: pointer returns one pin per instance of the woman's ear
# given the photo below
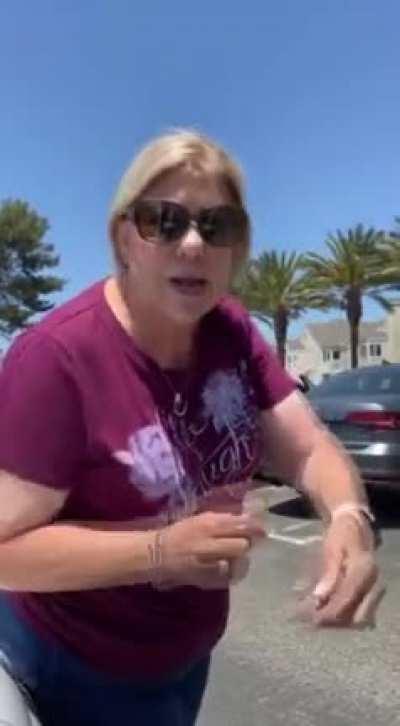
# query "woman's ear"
(122, 239)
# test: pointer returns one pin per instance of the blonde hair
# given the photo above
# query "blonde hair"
(180, 148)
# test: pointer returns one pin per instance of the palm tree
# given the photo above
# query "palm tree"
(355, 268)
(276, 289)
(392, 252)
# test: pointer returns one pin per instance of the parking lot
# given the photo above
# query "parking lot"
(272, 669)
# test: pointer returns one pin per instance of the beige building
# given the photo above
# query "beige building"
(323, 349)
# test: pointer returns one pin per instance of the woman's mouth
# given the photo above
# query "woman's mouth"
(188, 285)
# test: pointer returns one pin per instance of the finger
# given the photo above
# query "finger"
(220, 549)
(231, 525)
(366, 611)
(254, 529)
(332, 573)
(357, 581)
(220, 567)
(233, 571)
(212, 577)
(223, 568)
(339, 609)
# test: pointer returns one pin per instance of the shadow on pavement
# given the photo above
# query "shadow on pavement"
(386, 507)
(296, 506)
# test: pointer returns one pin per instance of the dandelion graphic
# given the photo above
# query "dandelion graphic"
(225, 403)
(155, 466)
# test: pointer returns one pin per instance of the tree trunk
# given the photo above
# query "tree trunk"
(354, 330)
(354, 315)
(280, 330)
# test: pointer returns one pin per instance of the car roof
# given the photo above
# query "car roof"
(370, 369)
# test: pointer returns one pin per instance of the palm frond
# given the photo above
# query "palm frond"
(381, 300)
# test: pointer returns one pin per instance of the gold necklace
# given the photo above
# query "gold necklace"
(180, 403)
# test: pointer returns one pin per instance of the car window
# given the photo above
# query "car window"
(363, 381)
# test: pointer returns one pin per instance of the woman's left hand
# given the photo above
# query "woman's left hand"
(348, 591)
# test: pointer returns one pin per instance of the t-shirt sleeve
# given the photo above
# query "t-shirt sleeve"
(270, 381)
(42, 432)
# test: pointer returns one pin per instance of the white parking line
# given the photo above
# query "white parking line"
(298, 525)
(298, 541)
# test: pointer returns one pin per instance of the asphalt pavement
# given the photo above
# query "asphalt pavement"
(273, 669)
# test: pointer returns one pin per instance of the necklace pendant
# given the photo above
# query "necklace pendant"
(180, 406)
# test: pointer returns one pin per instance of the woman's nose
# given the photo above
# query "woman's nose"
(192, 243)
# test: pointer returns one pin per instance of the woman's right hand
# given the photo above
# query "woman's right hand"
(207, 550)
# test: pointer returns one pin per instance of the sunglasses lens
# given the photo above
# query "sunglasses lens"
(174, 222)
(223, 226)
(165, 222)
(160, 221)
(147, 220)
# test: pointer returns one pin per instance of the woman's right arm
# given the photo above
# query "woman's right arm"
(42, 441)
(38, 556)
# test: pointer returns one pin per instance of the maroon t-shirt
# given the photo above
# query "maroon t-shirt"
(85, 410)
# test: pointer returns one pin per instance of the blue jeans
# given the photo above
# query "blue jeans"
(67, 692)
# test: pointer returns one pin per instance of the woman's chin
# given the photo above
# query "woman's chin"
(189, 310)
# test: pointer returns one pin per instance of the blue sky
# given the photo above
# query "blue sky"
(305, 94)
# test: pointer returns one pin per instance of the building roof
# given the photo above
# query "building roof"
(335, 333)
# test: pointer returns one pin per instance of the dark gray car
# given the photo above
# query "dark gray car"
(362, 408)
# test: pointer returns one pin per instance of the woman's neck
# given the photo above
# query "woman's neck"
(169, 344)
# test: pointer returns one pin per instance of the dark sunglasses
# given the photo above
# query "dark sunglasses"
(165, 222)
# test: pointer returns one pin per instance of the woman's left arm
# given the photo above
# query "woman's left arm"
(303, 452)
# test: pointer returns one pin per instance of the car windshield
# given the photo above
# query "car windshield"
(378, 381)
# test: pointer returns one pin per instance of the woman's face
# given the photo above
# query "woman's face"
(182, 279)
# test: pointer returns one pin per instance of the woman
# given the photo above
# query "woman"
(132, 416)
